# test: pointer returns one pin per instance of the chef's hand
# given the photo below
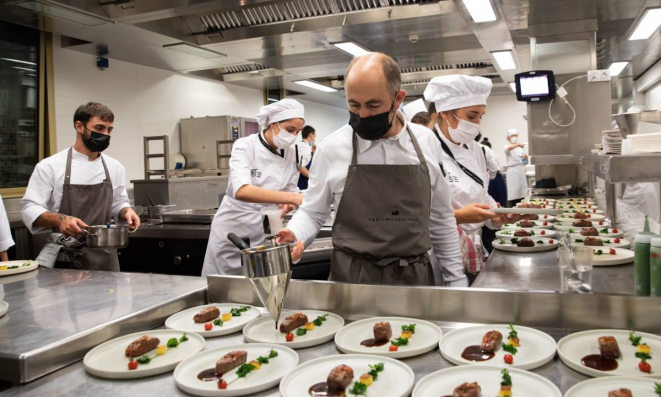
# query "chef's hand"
(297, 251)
(70, 225)
(298, 199)
(474, 213)
(285, 236)
(131, 218)
(286, 208)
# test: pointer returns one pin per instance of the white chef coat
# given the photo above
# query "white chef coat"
(304, 153)
(517, 184)
(44, 192)
(251, 163)
(6, 241)
(493, 165)
(328, 176)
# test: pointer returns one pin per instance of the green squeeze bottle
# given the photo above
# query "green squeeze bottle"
(655, 267)
(642, 261)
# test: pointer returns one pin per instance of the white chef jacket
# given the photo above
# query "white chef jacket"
(515, 156)
(493, 166)
(464, 189)
(304, 153)
(328, 176)
(44, 192)
(6, 241)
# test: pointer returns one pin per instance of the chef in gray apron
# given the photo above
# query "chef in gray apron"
(384, 176)
(78, 187)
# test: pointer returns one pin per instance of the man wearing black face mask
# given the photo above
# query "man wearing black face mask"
(383, 176)
(78, 187)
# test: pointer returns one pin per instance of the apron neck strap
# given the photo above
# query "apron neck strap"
(67, 172)
(416, 146)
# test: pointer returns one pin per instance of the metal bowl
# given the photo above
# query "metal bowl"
(107, 236)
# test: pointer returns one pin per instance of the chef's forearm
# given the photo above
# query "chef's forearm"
(49, 219)
(304, 172)
(254, 194)
(4, 257)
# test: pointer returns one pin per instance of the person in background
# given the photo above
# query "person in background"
(80, 186)
(6, 241)
(517, 184)
(304, 148)
(485, 142)
(421, 118)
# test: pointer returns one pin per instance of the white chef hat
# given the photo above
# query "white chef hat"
(457, 91)
(512, 131)
(414, 108)
(284, 109)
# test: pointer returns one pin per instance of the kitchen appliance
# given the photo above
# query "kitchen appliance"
(107, 236)
(197, 192)
(628, 122)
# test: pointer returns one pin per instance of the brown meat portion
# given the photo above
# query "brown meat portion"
(525, 242)
(340, 377)
(582, 223)
(527, 224)
(207, 314)
(491, 341)
(532, 217)
(468, 390)
(608, 347)
(580, 215)
(382, 331)
(593, 242)
(142, 345)
(521, 233)
(620, 393)
(590, 231)
(230, 361)
(292, 322)
(529, 205)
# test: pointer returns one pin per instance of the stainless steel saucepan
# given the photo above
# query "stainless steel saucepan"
(107, 236)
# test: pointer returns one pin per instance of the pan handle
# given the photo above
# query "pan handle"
(87, 232)
(134, 230)
(236, 240)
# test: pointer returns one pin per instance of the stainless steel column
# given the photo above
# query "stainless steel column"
(611, 203)
(592, 182)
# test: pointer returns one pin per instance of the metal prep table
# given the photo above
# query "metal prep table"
(556, 314)
(540, 272)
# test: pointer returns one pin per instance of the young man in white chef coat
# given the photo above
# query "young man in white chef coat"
(78, 187)
(383, 176)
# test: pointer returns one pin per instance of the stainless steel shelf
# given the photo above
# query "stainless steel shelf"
(611, 168)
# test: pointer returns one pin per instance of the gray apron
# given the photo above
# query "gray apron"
(381, 230)
(93, 205)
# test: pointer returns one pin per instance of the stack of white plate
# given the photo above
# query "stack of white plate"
(646, 143)
(612, 141)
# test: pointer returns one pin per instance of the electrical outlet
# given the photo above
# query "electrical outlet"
(599, 75)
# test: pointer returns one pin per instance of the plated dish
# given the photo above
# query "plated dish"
(213, 320)
(297, 329)
(538, 232)
(570, 218)
(616, 387)
(612, 257)
(601, 243)
(17, 267)
(595, 232)
(529, 224)
(525, 244)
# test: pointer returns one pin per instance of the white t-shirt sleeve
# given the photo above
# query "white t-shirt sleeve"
(120, 199)
(6, 241)
(38, 193)
(242, 157)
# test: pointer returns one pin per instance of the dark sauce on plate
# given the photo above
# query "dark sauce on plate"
(209, 374)
(373, 342)
(596, 361)
(322, 390)
(475, 353)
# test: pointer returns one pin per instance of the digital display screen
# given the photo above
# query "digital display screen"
(533, 86)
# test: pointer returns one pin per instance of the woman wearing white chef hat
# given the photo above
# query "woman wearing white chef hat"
(264, 170)
(517, 184)
(461, 102)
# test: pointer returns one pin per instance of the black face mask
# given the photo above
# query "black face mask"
(373, 127)
(96, 142)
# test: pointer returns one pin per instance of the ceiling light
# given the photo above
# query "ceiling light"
(26, 69)
(480, 10)
(194, 50)
(647, 25)
(505, 59)
(57, 10)
(617, 67)
(17, 61)
(513, 87)
(316, 86)
(351, 48)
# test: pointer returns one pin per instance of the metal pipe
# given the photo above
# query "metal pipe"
(611, 203)
(592, 181)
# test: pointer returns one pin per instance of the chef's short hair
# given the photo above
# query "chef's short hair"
(431, 109)
(88, 111)
(307, 130)
(421, 118)
(388, 66)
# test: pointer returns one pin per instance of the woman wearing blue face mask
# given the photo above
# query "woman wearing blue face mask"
(263, 171)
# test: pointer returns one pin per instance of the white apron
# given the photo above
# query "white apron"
(517, 184)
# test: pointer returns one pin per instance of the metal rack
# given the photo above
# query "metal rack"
(165, 172)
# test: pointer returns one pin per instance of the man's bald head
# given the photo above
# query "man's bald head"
(367, 64)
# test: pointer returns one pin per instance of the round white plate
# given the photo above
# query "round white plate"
(640, 387)
(622, 257)
(424, 339)
(535, 200)
(4, 306)
(108, 360)
(266, 377)
(509, 233)
(527, 211)
(624, 243)
(262, 330)
(536, 225)
(569, 218)
(581, 207)
(537, 348)
(524, 383)
(507, 245)
(183, 321)
(581, 201)
(21, 269)
(396, 379)
(565, 227)
(577, 233)
(584, 210)
(573, 347)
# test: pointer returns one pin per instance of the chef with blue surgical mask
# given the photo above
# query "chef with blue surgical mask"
(263, 172)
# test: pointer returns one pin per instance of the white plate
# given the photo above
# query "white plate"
(183, 321)
(4, 306)
(534, 200)
(569, 218)
(624, 243)
(108, 360)
(262, 330)
(21, 269)
(396, 379)
(640, 387)
(565, 227)
(524, 383)
(526, 211)
(622, 257)
(583, 210)
(610, 234)
(508, 246)
(536, 224)
(424, 339)
(569, 206)
(537, 348)
(268, 376)
(509, 233)
(581, 201)
(573, 347)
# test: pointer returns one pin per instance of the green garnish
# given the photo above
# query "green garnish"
(265, 360)
(183, 338)
(172, 343)
(400, 342)
(375, 369)
(244, 370)
(236, 312)
(510, 349)
(599, 252)
(301, 331)
(603, 230)
(507, 379)
(218, 322)
(607, 241)
(657, 388)
(319, 320)
(358, 389)
(273, 354)
(514, 240)
(513, 333)
(144, 359)
(540, 241)
(502, 241)
(643, 356)
(410, 328)
(532, 232)
(635, 340)
(578, 240)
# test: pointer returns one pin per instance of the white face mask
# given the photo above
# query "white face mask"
(465, 131)
(514, 139)
(283, 140)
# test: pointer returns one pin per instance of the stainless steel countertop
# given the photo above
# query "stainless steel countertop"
(186, 231)
(539, 272)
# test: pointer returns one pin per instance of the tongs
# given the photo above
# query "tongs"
(575, 282)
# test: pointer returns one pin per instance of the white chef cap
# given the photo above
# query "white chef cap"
(512, 131)
(414, 108)
(457, 91)
(284, 109)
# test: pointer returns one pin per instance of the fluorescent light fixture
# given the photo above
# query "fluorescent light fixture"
(513, 87)
(26, 69)
(31, 75)
(351, 48)
(18, 61)
(647, 25)
(316, 86)
(505, 59)
(194, 50)
(57, 10)
(617, 67)
(480, 10)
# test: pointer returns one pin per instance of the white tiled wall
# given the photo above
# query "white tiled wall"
(148, 101)
(504, 112)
